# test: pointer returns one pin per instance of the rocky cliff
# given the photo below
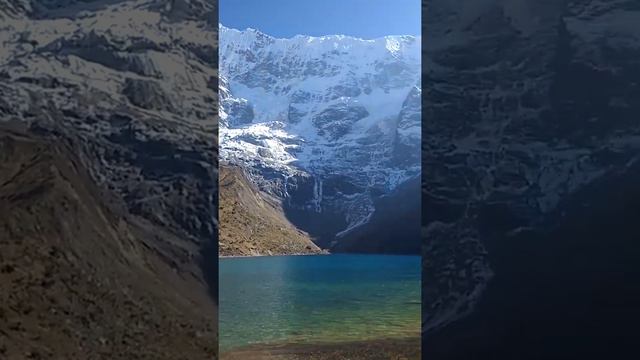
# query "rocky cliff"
(132, 84)
(526, 104)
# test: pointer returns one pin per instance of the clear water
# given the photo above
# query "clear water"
(318, 299)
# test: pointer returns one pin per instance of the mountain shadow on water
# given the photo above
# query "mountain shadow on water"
(570, 293)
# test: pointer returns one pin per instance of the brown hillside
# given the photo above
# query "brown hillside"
(80, 277)
(253, 223)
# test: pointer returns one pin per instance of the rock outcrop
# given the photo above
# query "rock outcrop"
(131, 84)
(526, 104)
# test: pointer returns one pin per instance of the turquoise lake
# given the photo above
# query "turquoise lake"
(318, 299)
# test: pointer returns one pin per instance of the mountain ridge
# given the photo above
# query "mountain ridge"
(328, 37)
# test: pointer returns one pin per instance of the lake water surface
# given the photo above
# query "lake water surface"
(318, 299)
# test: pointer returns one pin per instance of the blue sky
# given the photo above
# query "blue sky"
(361, 18)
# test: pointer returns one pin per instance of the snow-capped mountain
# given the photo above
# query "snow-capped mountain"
(337, 115)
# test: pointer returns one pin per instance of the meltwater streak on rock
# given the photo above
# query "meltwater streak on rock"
(327, 124)
(530, 113)
(133, 85)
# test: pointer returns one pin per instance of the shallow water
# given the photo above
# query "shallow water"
(318, 299)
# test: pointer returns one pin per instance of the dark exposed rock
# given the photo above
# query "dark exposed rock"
(394, 227)
(146, 94)
(337, 120)
(518, 117)
(241, 112)
(295, 115)
(406, 147)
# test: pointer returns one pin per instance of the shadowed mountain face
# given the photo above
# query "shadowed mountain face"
(133, 84)
(394, 227)
(80, 275)
(569, 290)
(530, 131)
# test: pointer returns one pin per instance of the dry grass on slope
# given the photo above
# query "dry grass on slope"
(253, 223)
(80, 277)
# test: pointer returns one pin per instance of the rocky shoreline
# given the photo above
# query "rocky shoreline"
(382, 349)
(255, 256)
